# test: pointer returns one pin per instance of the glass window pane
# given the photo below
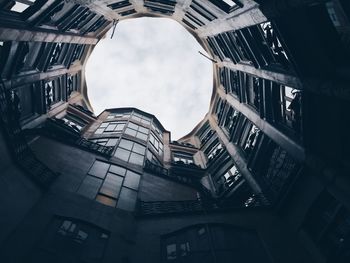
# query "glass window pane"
(90, 187)
(99, 131)
(130, 132)
(127, 199)
(112, 142)
(106, 200)
(136, 118)
(132, 180)
(122, 154)
(117, 170)
(133, 126)
(138, 148)
(119, 127)
(110, 127)
(111, 185)
(126, 144)
(145, 121)
(99, 169)
(171, 252)
(142, 136)
(143, 130)
(136, 159)
(104, 125)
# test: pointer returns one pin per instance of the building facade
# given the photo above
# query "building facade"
(263, 177)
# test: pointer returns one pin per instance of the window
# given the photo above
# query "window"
(106, 141)
(230, 120)
(140, 118)
(119, 5)
(70, 240)
(229, 80)
(274, 43)
(248, 143)
(227, 5)
(157, 145)
(137, 131)
(291, 107)
(228, 180)
(157, 130)
(185, 158)
(20, 6)
(219, 109)
(111, 127)
(152, 158)
(111, 185)
(161, 6)
(130, 151)
(118, 115)
(205, 133)
(213, 151)
(74, 121)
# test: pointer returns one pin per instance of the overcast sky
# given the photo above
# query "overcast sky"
(152, 64)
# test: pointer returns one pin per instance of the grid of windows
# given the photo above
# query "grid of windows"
(137, 131)
(238, 46)
(278, 104)
(157, 145)
(106, 141)
(140, 118)
(130, 151)
(111, 127)
(111, 185)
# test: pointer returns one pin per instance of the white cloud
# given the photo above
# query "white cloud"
(152, 64)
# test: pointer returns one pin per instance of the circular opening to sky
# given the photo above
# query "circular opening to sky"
(152, 64)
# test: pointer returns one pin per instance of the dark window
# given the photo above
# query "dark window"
(157, 145)
(161, 6)
(130, 151)
(213, 150)
(227, 181)
(118, 115)
(70, 240)
(227, 5)
(111, 127)
(111, 185)
(137, 131)
(205, 133)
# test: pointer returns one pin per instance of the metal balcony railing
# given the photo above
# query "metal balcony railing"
(173, 175)
(194, 206)
(59, 130)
